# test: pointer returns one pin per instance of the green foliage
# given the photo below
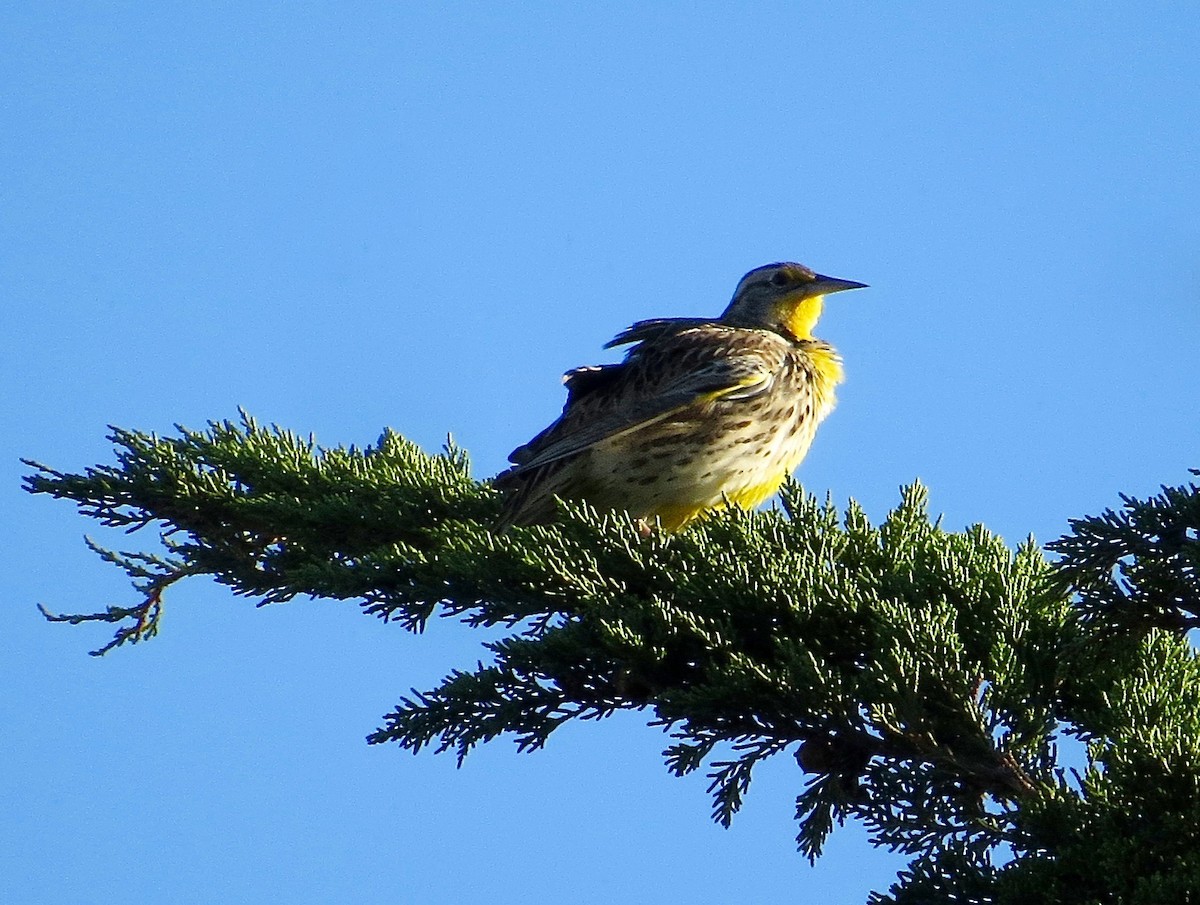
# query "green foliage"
(1138, 567)
(923, 679)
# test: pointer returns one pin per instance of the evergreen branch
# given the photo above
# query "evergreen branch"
(919, 675)
(273, 516)
(145, 617)
(151, 574)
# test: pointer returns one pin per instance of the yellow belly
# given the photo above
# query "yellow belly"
(730, 474)
(757, 494)
(673, 515)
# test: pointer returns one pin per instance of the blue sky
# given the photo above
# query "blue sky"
(346, 217)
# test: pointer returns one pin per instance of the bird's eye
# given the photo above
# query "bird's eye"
(781, 278)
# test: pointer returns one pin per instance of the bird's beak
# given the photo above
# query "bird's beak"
(824, 285)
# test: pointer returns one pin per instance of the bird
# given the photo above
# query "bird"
(700, 414)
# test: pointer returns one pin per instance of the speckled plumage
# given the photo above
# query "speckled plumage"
(699, 412)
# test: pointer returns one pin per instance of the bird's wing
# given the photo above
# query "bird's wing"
(619, 407)
(656, 328)
(580, 382)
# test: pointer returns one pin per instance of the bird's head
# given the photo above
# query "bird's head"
(784, 297)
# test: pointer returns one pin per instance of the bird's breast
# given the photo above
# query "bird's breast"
(825, 367)
(718, 450)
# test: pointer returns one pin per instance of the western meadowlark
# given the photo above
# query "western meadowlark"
(700, 412)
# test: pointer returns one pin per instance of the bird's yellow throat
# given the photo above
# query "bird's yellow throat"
(800, 317)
